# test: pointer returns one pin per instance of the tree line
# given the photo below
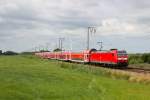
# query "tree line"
(8, 53)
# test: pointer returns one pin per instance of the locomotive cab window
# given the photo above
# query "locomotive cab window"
(122, 53)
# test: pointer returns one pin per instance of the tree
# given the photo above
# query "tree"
(57, 50)
(10, 53)
(1, 52)
(146, 57)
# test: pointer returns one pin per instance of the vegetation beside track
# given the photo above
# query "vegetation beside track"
(139, 58)
(26, 77)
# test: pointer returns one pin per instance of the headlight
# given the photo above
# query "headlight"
(122, 58)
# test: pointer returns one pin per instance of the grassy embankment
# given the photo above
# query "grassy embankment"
(31, 78)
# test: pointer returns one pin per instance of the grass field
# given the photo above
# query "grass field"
(31, 78)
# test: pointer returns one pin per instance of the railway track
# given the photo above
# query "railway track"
(129, 69)
(138, 70)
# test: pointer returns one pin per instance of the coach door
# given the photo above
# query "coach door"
(86, 57)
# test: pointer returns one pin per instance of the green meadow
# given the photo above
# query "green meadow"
(25, 77)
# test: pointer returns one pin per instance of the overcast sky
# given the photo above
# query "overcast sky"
(122, 24)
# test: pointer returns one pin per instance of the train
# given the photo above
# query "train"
(113, 57)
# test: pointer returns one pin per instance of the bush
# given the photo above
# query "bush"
(139, 58)
(135, 59)
(146, 57)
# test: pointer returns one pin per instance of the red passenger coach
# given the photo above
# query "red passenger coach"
(66, 56)
(81, 56)
(77, 56)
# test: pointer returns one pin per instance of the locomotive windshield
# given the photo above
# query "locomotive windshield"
(122, 53)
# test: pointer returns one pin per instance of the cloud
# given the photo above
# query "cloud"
(122, 27)
(35, 22)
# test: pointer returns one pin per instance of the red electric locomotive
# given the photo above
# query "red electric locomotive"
(111, 57)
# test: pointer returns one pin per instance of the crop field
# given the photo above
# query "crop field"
(25, 77)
